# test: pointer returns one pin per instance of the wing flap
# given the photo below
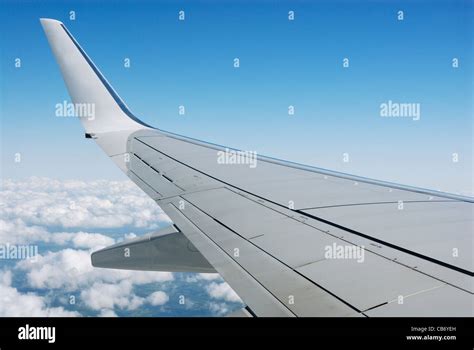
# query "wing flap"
(300, 296)
(436, 229)
(165, 250)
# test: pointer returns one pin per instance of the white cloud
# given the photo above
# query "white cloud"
(127, 236)
(107, 313)
(15, 231)
(219, 309)
(108, 296)
(16, 304)
(203, 277)
(91, 240)
(102, 289)
(222, 291)
(72, 203)
(208, 276)
(158, 298)
(29, 207)
(44, 210)
(71, 269)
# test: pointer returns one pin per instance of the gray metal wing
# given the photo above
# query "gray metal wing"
(291, 240)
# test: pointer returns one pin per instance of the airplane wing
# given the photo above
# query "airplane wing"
(291, 240)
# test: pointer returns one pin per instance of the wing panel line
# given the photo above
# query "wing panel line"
(393, 246)
(281, 262)
(204, 233)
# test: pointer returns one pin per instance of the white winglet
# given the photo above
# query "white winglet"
(89, 90)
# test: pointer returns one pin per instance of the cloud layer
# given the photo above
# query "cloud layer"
(78, 204)
(67, 220)
(16, 304)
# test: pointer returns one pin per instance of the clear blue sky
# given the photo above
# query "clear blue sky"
(282, 63)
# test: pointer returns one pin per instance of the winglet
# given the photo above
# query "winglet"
(102, 108)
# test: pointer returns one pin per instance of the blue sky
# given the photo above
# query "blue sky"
(190, 63)
(282, 63)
